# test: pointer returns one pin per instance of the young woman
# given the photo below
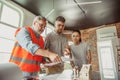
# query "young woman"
(79, 50)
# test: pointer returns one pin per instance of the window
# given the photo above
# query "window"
(6, 38)
(10, 16)
(7, 31)
(107, 60)
(6, 45)
(9, 21)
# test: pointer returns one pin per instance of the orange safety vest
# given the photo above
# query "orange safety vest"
(24, 59)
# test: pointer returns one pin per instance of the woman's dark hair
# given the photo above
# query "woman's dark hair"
(78, 33)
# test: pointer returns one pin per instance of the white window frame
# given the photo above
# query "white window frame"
(4, 56)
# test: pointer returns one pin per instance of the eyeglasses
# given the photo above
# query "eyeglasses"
(41, 25)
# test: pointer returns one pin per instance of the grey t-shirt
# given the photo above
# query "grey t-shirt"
(79, 53)
(56, 42)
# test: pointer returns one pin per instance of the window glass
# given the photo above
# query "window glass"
(10, 16)
(6, 45)
(9, 21)
(6, 42)
(7, 32)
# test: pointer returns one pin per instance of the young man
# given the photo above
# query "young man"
(56, 41)
(28, 51)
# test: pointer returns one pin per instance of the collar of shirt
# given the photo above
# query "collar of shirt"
(56, 33)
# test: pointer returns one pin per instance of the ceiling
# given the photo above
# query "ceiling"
(77, 15)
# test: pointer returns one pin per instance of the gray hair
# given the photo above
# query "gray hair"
(38, 18)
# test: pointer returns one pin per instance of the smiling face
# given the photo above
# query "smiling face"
(39, 26)
(76, 37)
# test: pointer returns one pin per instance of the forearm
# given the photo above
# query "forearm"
(42, 52)
(52, 56)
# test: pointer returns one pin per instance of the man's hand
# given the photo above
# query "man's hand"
(66, 51)
(55, 57)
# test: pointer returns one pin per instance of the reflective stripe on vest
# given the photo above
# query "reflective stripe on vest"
(26, 61)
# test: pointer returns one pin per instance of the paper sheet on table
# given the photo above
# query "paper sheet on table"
(51, 64)
(64, 59)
